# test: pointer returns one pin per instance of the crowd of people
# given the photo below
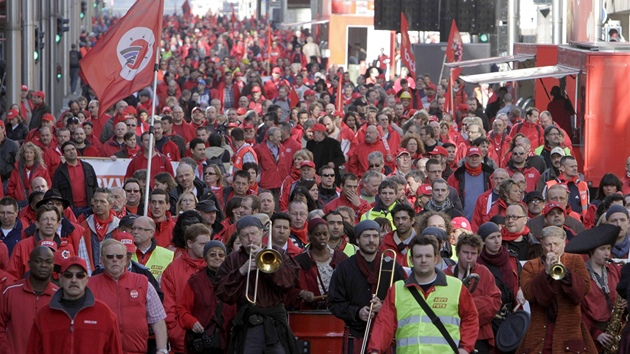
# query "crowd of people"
(297, 188)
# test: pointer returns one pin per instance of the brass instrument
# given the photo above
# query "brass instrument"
(558, 271)
(378, 284)
(268, 260)
(615, 326)
(468, 279)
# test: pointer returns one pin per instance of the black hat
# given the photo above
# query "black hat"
(585, 241)
(486, 229)
(533, 195)
(512, 331)
(53, 194)
(127, 220)
(206, 206)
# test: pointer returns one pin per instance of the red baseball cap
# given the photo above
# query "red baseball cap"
(126, 239)
(304, 68)
(238, 73)
(24, 88)
(424, 189)
(240, 111)
(71, 261)
(307, 163)
(196, 109)
(48, 117)
(337, 114)
(550, 206)
(130, 110)
(167, 109)
(433, 119)
(255, 89)
(402, 151)
(439, 150)
(50, 244)
(276, 70)
(356, 95)
(12, 113)
(318, 128)
(309, 93)
(232, 125)
(247, 126)
(473, 150)
(39, 94)
(461, 223)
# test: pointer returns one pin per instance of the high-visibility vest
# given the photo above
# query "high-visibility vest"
(415, 332)
(157, 263)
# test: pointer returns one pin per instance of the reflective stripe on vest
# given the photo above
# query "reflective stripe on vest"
(157, 263)
(415, 327)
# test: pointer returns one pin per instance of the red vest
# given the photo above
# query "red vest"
(127, 299)
(205, 298)
(238, 157)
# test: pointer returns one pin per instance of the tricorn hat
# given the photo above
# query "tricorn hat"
(585, 241)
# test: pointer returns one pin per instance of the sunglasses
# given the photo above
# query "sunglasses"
(118, 256)
(219, 255)
(70, 275)
(328, 175)
(374, 166)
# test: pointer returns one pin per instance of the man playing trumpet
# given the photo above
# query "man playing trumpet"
(261, 324)
(555, 285)
(480, 282)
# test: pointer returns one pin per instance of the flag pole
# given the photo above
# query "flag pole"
(151, 134)
(443, 62)
(450, 80)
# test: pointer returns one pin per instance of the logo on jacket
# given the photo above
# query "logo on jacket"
(134, 294)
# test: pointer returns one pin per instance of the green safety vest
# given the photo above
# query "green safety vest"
(157, 263)
(416, 333)
(372, 214)
(350, 249)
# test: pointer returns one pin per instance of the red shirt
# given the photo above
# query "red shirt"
(79, 197)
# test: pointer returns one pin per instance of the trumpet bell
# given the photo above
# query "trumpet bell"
(268, 260)
(558, 271)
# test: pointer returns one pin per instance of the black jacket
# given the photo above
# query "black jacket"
(61, 181)
(203, 192)
(8, 152)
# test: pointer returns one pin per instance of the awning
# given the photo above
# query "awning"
(493, 60)
(300, 24)
(554, 71)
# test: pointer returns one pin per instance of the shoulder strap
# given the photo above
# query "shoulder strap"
(434, 319)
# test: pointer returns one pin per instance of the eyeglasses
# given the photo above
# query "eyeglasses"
(374, 166)
(514, 217)
(136, 228)
(111, 256)
(132, 125)
(209, 174)
(328, 175)
(70, 275)
(132, 190)
(217, 255)
(518, 153)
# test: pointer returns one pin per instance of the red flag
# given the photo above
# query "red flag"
(454, 49)
(269, 42)
(122, 62)
(294, 99)
(186, 8)
(339, 98)
(234, 20)
(408, 59)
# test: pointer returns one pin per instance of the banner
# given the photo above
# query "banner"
(408, 59)
(454, 50)
(122, 62)
(112, 173)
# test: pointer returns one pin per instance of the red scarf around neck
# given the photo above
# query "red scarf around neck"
(473, 171)
(511, 236)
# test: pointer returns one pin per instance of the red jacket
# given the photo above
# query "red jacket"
(110, 147)
(236, 94)
(18, 263)
(534, 132)
(271, 172)
(89, 230)
(164, 231)
(389, 244)
(290, 147)
(94, 329)
(126, 297)
(159, 163)
(19, 186)
(487, 298)
(358, 162)
(18, 307)
(271, 87)
(499, 147)
(482, 210)
(185, 130)
(285, 188)
(174, 280)
(531, 175)
(342, 200)
(52, 159)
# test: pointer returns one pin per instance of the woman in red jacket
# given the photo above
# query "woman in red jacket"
(29, 164)
(199, 310)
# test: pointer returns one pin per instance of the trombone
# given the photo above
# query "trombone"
(378, 284)
(268, 261)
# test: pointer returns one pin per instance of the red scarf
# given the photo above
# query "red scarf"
(473, 171)
(369, 274)
(511, 236)
(501, 260)
(101, 226)
(564, 179)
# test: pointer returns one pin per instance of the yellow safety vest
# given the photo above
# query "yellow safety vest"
(157, 263)
(416, 333)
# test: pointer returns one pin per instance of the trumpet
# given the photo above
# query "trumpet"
(558, 271)
(268, 261)
(378, 284)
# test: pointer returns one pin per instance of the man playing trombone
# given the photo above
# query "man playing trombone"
(480, 282)
(354, 286)
(555, 285)
(411, 304)
(256, 279)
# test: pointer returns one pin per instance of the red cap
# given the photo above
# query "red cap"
(337, 114)
(461, 223)
(12, 113)
(309, 93)
(39, 94)
(473, 150)
(238, 73)
(391, 91)
(424, 189)
(232, 125)
(24, 88)
(550, 206)
(276, 70)
(48, 117)
(71, 261)
(356, 95)
(130, 110)
(126, 239)
(318, 128)
(304, 68)
(255, 89)
(196, 109)
(240, 111)
(402, 151)
(247, 126)
(433, 119)
(167, 109)
(307, 163)
(463, 107)
(50, 244)
(439, 150)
